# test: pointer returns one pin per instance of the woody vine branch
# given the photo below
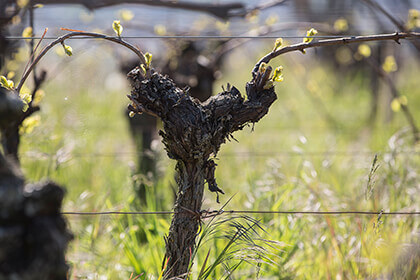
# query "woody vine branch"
(333, 42)
(61, 40)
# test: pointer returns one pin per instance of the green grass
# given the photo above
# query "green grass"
(84, 126)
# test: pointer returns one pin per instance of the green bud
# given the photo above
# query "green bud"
(278, 74)
(6, 83)
(67, 49)
(310, 33)
(278, 44)
(26, 97)
(148, 59)
(116, 25)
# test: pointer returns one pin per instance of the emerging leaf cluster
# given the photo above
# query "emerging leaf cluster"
(4, 82)
(116, 25)
(309, 34)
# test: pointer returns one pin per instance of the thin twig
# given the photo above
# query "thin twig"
(197, 37)
(76, 34)
(32, 41)
(333, 42)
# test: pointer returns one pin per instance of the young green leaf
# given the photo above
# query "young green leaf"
(310, 33)
(6, 83)
(67, 49)
(278, 44)
(278, 74)
(26, 97)
(148, 59)
(116, 25)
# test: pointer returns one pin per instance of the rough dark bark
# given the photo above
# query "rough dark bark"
(180, 242)
(188, 68)
(33, 234)
(193, 133)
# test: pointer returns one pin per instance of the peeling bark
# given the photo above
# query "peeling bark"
(193, 133)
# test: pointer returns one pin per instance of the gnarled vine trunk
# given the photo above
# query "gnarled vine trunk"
(192, 135)
(180, 241)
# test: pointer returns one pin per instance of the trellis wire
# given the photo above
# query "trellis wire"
(194, 37)
(216, 212)
(233, 154)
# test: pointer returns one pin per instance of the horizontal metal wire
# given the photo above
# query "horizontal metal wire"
(232, 154)
(190, 37)
(217, 212)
